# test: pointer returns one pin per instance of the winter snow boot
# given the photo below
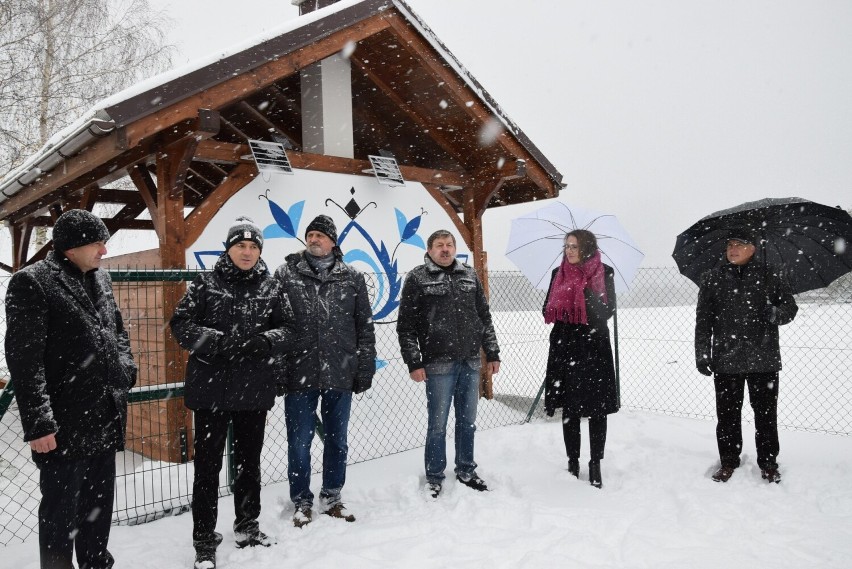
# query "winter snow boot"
(771, 475)
(253, 538)
(433, 488)
(574, 467)
(723, 474)
(595, 474)
(303, 516)
(205, 550)
(337, 511)
(205, 559)
(474, 482)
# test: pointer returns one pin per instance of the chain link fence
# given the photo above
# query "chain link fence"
(654, 327)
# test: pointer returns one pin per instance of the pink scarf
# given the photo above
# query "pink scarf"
(567, 302)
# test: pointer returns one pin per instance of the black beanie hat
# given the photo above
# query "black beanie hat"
(244, 230)
(323, 224)
(78, 227)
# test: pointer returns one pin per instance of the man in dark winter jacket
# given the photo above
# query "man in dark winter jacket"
(444, 321)
(334, 356)
(740, 306)
(237, 326)
(71, 367)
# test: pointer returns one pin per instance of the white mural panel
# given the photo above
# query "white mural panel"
(381, 230)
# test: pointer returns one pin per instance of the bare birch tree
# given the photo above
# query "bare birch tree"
(60, 57)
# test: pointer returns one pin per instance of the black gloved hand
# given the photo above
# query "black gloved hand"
(362, 383)
(256, 347)
(228, 346)
(770, 313)
(704, 367)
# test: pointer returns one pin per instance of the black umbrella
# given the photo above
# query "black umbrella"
(809, 242)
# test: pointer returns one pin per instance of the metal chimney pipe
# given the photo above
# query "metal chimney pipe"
(306, 6)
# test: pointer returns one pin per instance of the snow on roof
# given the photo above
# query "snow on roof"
(97, 112)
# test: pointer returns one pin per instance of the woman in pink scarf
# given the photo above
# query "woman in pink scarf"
(580, 372)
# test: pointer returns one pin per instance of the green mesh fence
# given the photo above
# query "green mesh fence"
(655, 351)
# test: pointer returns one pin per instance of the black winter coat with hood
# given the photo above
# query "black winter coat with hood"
(219, 309)
(335, 346)
(444, 316)
(731, 329)
(69, 358)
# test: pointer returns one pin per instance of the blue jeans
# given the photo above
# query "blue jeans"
(459, 384)
(299, 411)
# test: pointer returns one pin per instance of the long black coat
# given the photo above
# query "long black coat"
(444, 316)
(335, 340)
(217, 305)
(69, 359)
(730, 325)
(580, 372)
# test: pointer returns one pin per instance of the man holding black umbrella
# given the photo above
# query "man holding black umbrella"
(740, 306)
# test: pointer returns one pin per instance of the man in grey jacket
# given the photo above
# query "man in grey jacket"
(444, 321)
(334, 356)
(740, 306)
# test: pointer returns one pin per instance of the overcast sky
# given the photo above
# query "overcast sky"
(657, 111)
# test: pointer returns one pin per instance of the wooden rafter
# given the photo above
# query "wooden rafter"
(411, 113)
(227, 153)
(147, 189)
(463, 96)
(439, 196)
(199, 217)
(229, 92)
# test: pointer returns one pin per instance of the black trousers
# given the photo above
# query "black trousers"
(211, 431)
(597, 436)
(763, 396)
(76, 511)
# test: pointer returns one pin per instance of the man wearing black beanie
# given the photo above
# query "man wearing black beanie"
(334, 355)
(236, 325)
(71, 366)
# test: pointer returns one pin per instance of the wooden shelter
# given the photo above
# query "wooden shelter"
(182, 140)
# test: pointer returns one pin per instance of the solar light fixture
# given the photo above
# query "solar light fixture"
(386, 170)
(270, 157)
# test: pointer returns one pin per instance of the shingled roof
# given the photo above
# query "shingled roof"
(189, 128)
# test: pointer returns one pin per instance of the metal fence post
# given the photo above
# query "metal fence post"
(6, 398)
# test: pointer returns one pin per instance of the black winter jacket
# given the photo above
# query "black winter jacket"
(335, 346)
(444, 316)
(231, 303)
(69, 359)
(731, 330)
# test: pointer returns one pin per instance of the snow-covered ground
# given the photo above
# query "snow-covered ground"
(658, 509)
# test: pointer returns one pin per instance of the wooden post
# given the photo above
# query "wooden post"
(171, 169)
(473, 221)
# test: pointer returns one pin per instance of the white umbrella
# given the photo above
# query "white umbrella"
(535, 242)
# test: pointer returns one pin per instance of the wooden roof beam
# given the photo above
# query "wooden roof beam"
(451, 209)
(464, 97)
(201, 215)
(270, 126)
(214, 151)
(141, 178)
(101, 159)
(409, 111)
(229, 92)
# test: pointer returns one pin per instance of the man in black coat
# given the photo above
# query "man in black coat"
(236, 325)
(334, 356)
(444, 321)
(740, 306)
(70, 363)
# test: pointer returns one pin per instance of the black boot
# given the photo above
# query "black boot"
(574, 467)
(595, 473)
